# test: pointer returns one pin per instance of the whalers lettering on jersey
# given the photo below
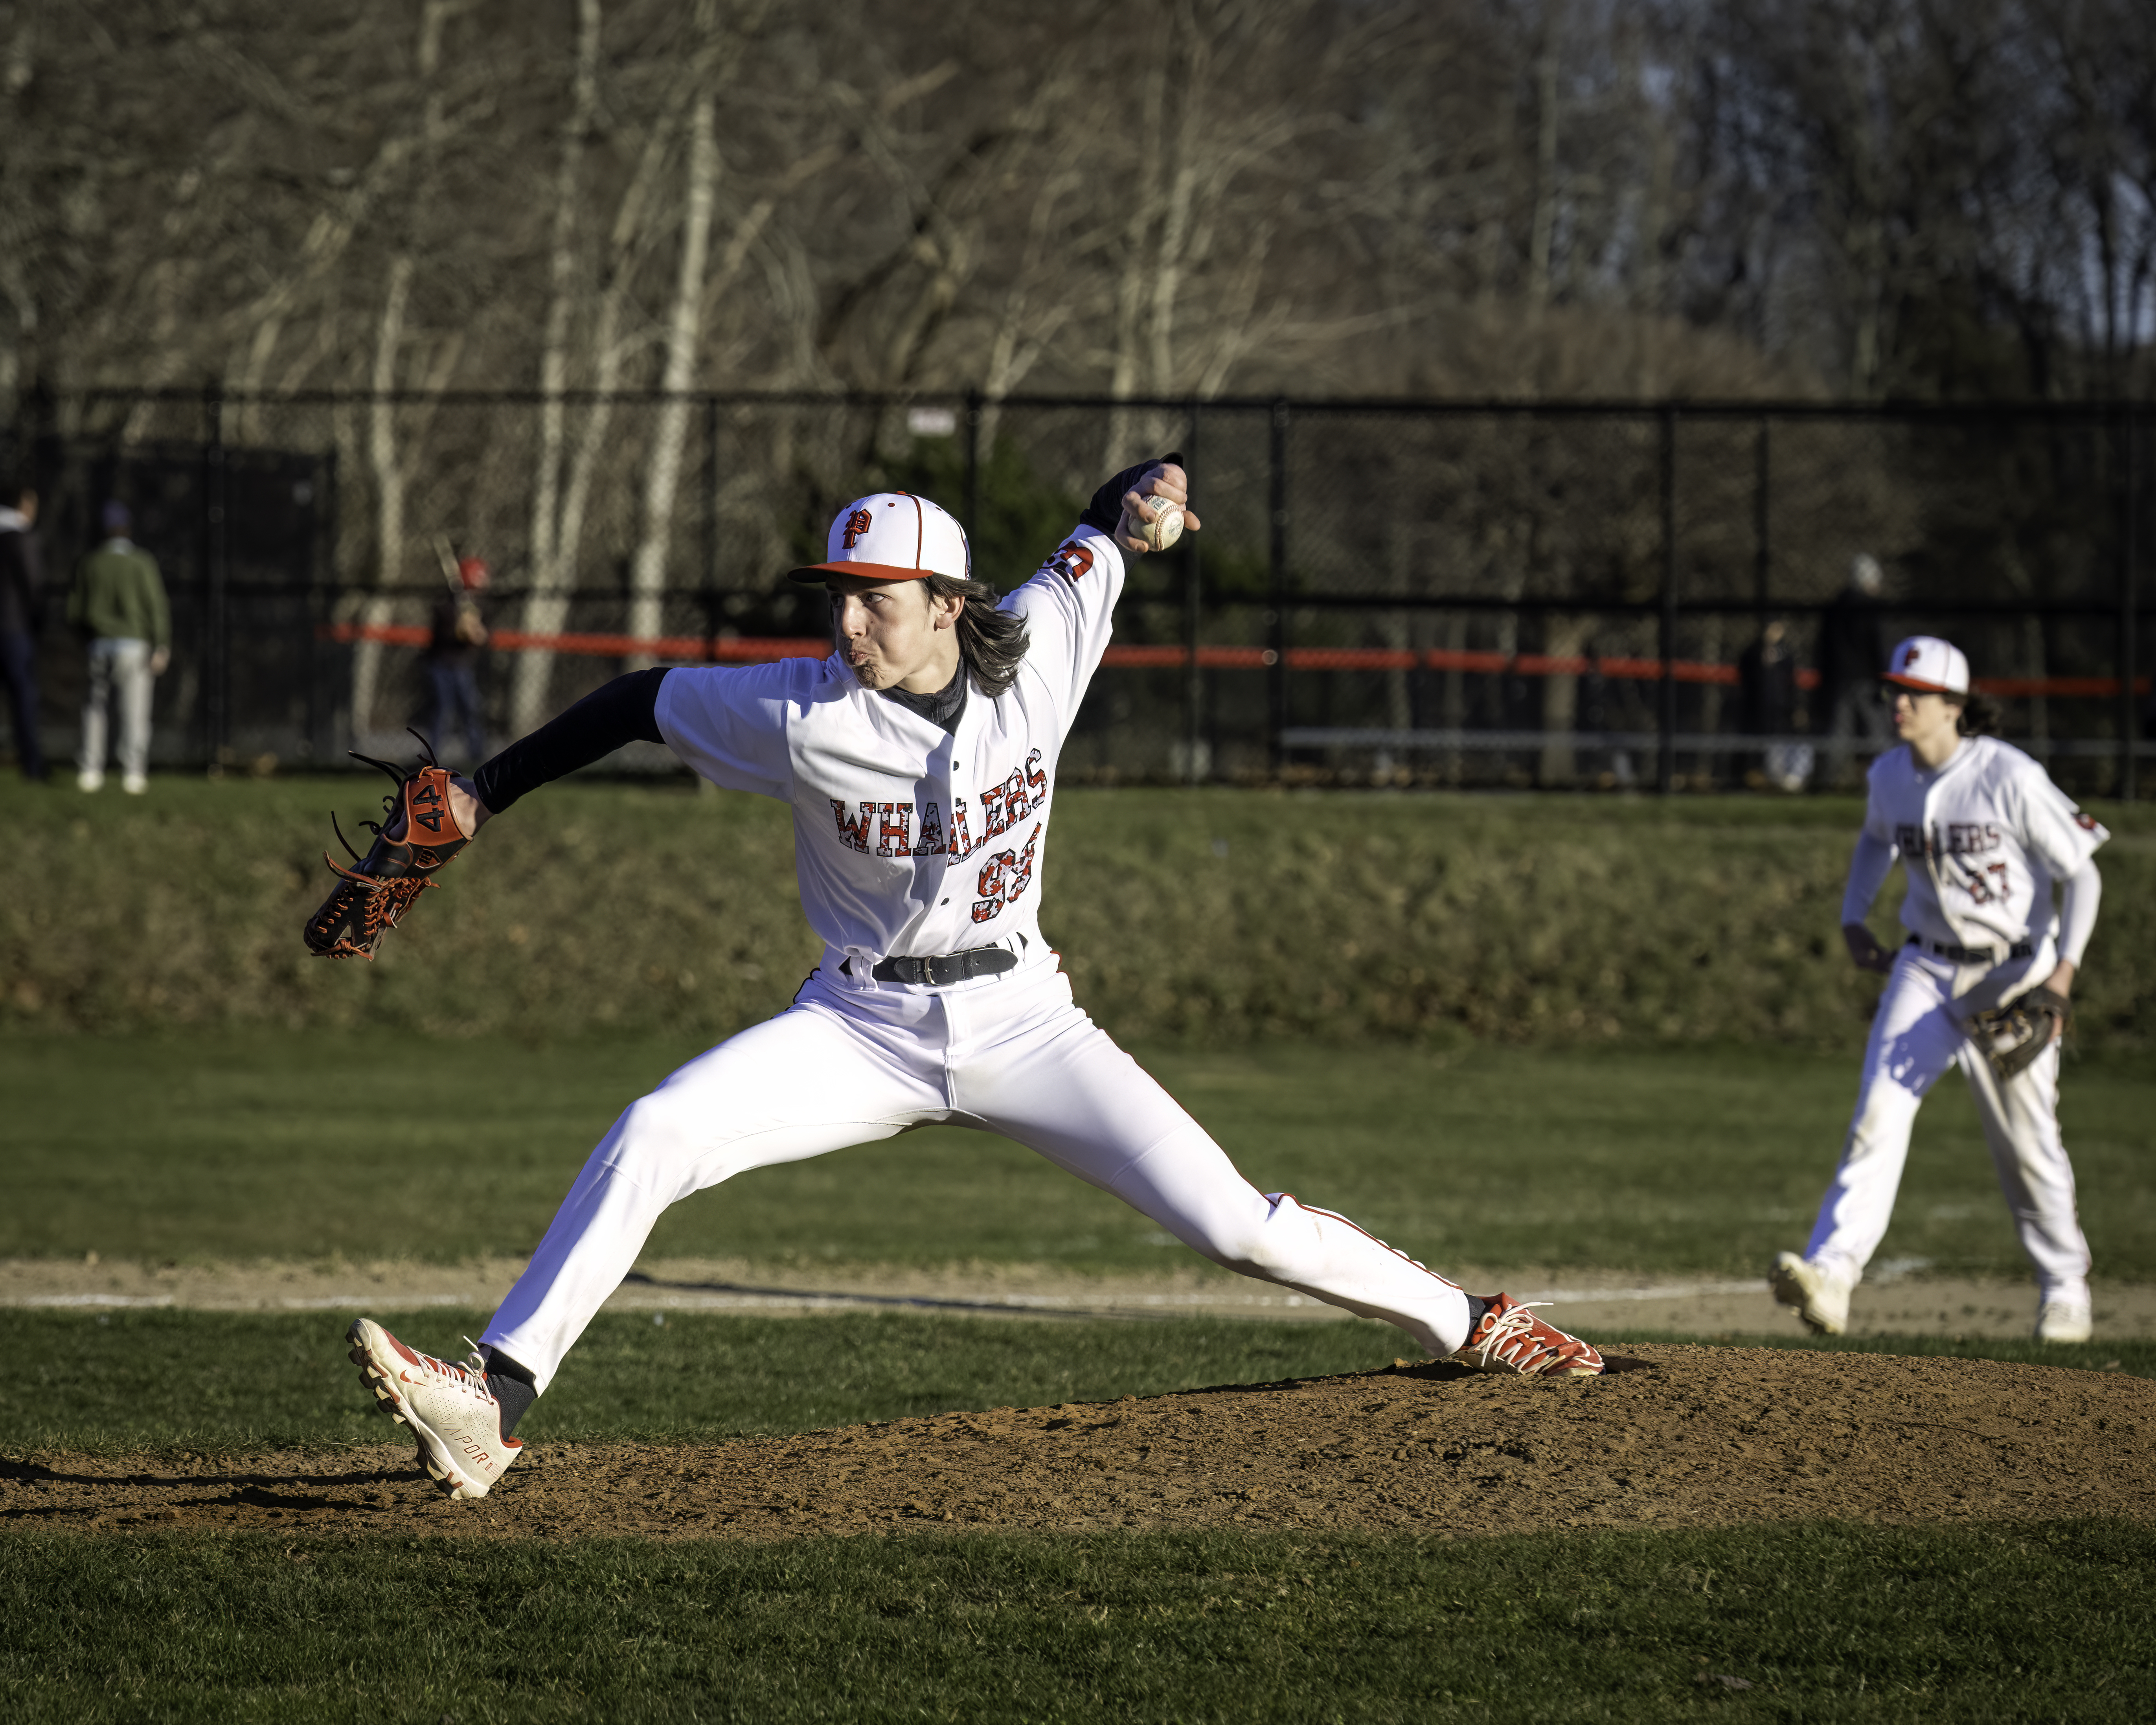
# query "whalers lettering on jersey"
(1960, 838)
(891, 824)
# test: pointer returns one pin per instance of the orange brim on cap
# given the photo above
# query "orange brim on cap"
(1900, 681)
(816, 574)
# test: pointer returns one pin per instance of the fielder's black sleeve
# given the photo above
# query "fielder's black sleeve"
(625, 711)
(1106, 510)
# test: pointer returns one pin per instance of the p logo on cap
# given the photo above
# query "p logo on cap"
(1928, 665)
(891, 536)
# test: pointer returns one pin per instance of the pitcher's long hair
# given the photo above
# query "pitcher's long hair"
(992, 641)
(1978, 716)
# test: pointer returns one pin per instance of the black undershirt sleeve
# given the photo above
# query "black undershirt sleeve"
(624, 711)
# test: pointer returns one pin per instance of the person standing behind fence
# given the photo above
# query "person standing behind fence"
(1767, 706)
(1852, 646)
(22, 614)
(118, 603)
(453, 651)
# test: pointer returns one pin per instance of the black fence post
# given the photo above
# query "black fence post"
(216, 630)
(1193, 619)
(2129, 715)
(1762, 555)
(972, 522)
(711, 495)
(1666, 775)
(1277, 619)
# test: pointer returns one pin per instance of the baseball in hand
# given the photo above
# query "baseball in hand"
(1166, 526)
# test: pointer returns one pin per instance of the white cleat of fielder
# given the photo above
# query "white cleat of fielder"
(1821, 1299)
(2063, 1321)
(451, 1412)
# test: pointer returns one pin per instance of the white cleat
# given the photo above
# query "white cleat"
(1821, 1299)
(451, 1412)
(2063, 1321)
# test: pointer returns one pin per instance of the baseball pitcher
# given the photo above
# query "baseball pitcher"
(919, 760)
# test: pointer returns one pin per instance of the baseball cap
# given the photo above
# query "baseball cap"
(114, 516)
(1928, 663)
(892, 535)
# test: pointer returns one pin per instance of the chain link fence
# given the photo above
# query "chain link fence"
(1479, 594)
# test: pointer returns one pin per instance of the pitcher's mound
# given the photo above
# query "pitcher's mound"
(1668, 1437)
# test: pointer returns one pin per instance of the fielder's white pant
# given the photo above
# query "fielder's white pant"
(851, 1062)
(118, 667)
(1916, 1035)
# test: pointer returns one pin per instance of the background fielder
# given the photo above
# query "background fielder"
(920, 762)
(1984, 835)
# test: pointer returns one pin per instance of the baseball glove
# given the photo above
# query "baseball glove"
(2013, 1035)
(418, 836)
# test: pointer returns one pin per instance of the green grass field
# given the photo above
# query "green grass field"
(1811, 1623)
(313, 1145)
(1665, 1065)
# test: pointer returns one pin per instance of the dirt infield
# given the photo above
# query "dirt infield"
(1672, 1436)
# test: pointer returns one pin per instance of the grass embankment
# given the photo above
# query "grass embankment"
(314, 1145)
(1212, 917)
(1816, 1623)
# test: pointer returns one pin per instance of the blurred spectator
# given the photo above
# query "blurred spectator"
(1852, 654)
(117, 601)
(1767, 706)
(453, 651)
(22, 615)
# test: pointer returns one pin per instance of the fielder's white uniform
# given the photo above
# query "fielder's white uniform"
(913, 842)
(1985, 838)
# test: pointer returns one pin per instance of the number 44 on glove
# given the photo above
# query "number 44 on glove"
(417, 835)
(2013, 1035)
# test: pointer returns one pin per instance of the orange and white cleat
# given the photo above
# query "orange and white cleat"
(1512, 1339)
(452, 1413)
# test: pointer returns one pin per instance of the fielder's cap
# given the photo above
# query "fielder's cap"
(892, 535)
(1926, 663)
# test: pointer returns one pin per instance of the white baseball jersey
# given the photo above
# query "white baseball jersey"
(1984, 837)
(908, 840)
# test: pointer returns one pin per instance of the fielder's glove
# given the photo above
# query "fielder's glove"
(419, 835)
(2013, 1035)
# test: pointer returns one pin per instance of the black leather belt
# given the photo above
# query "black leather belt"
(1971, 955)
(942, 970)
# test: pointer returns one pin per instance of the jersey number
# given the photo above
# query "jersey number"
(1004, 878)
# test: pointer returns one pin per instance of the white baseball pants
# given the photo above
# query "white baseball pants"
(851, 1062)
(1916, 1035)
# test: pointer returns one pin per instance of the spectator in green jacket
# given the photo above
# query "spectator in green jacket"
(118, 603)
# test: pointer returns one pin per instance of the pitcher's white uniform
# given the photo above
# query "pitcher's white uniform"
(1984, 838)
(913, 842)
